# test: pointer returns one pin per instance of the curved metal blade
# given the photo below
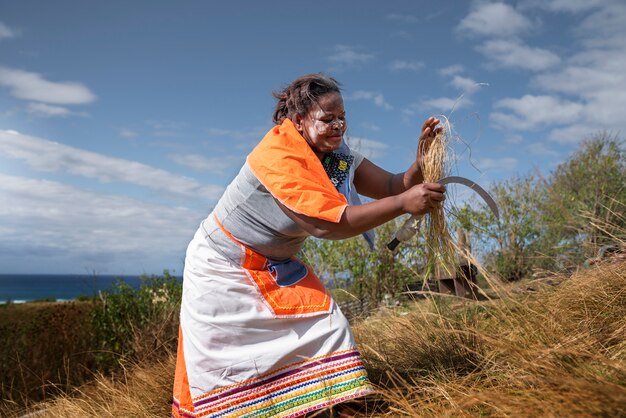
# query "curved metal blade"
(479, 190)
(406, 231)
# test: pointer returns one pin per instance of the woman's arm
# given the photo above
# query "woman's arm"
(357, 219)
(375, 182)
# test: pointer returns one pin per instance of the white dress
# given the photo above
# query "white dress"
(260, 335)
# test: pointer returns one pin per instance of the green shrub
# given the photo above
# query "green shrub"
(552, 223)
(130, 323)
(368, 276)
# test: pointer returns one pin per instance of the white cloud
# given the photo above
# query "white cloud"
(573, 134)
(399, 65)
(591, 78)
(46, 110)
(92, 230)
(466, 85)
(514, 139)
(369, 148)
(377, 98)
(32, 86)
(49, 156)
(451, 70)
(532, 112)
(347, 56)
(604, 27)
(514, 54)
(570, 6)
(494, 19)
(439, 106)
(446, 104)
(596, 72)
(6, 32)
(581, 78)
(128, 133)
(597, 84)
(203, 164)
(500, 164)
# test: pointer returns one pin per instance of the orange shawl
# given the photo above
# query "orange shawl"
(289, 169)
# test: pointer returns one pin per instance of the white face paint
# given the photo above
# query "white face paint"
(324, 125)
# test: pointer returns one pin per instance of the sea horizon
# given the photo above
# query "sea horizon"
(25, 287)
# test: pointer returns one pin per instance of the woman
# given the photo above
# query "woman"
(260, 335)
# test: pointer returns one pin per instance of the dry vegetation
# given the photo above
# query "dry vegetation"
(43, 342)
(552, 347)
(549, 352)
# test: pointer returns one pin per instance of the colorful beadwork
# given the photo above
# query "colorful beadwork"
(337, 167)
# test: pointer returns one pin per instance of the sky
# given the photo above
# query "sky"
(121, 123)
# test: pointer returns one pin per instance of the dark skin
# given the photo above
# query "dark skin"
(323, 128)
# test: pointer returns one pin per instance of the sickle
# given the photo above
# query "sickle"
(475, 187)
(410, 226)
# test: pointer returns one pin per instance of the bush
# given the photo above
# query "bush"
(368, 275)
(44, 347)
(130, 324)
(589, 185)
(545, 223)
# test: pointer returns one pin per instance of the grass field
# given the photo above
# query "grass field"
(554, 347)
(45, 347)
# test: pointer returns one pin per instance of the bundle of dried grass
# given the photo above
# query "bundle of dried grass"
(441, 251)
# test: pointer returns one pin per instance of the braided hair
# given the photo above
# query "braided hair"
(299, 96)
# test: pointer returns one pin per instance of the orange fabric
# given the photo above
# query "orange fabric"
(181, 383)
(308, 296)
(287, 166)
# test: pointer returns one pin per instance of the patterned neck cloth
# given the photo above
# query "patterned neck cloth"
(337, 165)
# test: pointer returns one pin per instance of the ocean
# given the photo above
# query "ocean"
(20, 288)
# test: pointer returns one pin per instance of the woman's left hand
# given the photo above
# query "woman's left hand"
(429, 132)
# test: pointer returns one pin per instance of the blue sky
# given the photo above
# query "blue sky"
(122, 122)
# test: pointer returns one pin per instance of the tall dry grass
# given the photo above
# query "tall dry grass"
(550, 352)
(141, 391)
(551, 348)
(45, 347)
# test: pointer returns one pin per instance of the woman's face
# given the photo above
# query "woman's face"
(324, 125)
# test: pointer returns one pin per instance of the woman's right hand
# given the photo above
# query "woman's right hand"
(422, 198)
